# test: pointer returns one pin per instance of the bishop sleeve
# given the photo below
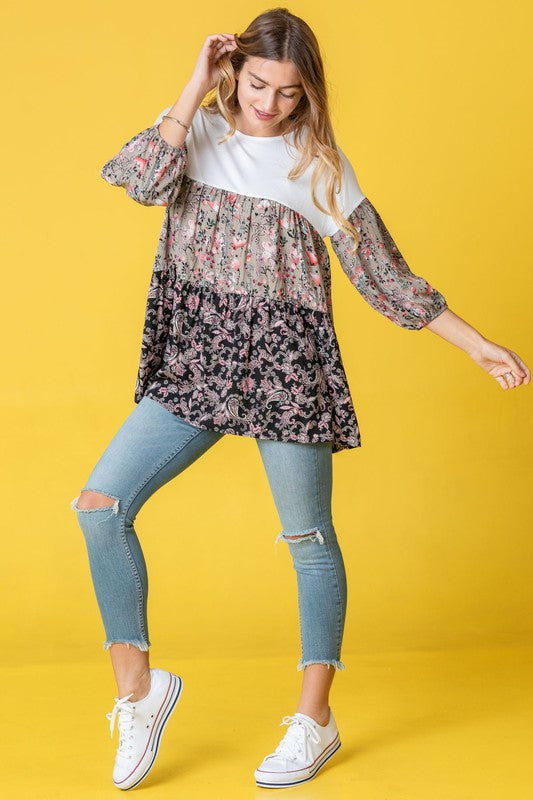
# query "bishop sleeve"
(148, 168)
(380, 274)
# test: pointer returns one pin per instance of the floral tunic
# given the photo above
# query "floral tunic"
(238, 334)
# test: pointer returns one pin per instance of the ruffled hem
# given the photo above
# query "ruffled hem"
(246, 365)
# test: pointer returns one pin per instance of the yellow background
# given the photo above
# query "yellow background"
(431, 103)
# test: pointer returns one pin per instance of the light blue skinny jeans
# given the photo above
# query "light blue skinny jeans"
(150, 448)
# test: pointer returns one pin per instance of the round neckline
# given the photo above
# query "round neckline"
(239, 133)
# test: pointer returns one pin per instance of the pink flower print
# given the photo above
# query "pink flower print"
(246, 385)
(232, 197)
(216, 243)
(141, 163)
(192, 302)
(236, 264)
(366, 251)
(316, 280)
(236, 243)
(161, 172)
(382, 297)
(312, 256)
(269, 250)
(284, 222)
(248, 256)
(358, 272)
(381, 244)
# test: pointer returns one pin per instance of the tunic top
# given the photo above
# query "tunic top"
(238, 333)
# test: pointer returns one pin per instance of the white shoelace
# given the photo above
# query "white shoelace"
(295, 742)
(124, 708)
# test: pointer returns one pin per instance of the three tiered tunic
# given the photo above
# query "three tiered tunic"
(238, 333)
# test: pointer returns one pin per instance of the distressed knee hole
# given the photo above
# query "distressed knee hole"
(91, 500)
(313, 534)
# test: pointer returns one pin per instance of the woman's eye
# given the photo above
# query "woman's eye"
(288, 96)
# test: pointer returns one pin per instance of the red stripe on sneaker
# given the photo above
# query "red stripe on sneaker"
(329, 746)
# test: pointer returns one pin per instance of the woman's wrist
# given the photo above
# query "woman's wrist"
(183, 109)
(457, 331)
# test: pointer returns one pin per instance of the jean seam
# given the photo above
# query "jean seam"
(124, 539)
(326, 542)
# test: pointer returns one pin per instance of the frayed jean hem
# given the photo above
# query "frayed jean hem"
(142, 645)
(331, 662)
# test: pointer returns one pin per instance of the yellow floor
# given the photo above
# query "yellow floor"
(453, 724)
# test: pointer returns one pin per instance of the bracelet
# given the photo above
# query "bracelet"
(166, 116)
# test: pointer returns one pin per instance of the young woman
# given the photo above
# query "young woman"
(239, 339)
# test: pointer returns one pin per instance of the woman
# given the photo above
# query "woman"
(239, 338)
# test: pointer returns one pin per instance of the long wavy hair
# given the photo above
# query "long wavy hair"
(278, 35)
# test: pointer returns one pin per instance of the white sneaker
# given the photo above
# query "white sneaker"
(304, 749)
(141, 724)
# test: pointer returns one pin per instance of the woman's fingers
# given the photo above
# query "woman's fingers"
(521, 367)
(501, 380)
(220, 38)
(221, 43)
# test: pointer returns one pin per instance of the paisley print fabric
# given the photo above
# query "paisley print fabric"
(243, 364)
(238, 333)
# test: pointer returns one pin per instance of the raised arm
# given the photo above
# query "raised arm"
(151, 165)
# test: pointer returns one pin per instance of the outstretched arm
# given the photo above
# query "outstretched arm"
(381, 275)
(500, 362)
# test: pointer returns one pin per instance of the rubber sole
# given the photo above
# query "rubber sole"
(326, 755)
(172, 699)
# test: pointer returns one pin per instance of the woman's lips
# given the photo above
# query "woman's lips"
(259, 115)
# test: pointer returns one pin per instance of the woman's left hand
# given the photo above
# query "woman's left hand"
(503, 364)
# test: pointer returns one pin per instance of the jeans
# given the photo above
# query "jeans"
(150, 448)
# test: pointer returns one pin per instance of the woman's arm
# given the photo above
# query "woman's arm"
(382, 276)
(495, 359)
(151, 165)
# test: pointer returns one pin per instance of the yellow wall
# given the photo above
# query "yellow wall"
(430, 102)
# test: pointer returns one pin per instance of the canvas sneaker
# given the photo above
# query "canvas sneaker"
(141, 724)
(304, 749)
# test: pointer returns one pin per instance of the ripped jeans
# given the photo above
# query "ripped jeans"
(150, 448)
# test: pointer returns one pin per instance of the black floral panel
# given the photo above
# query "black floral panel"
(244, 364)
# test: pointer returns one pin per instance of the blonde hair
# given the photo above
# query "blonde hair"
(278, 35)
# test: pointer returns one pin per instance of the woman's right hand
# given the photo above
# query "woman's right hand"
(206, 72)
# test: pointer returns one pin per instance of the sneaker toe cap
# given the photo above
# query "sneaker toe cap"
(279, 767)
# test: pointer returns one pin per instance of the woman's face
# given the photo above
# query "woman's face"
(271, 87)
